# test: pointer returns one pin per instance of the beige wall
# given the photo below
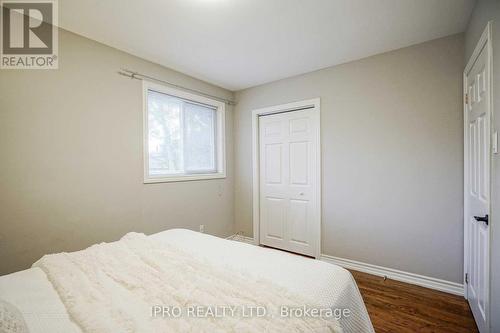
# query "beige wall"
(392, 156)
(484, 11)
(71, 158)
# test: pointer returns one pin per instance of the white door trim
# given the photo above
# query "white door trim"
(484, 41)
(306, 104)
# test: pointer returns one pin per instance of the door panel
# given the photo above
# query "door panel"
(298, 221)
(273, 170)
(298, 163)
(298, 125)
(472, 158)
(477, 197)
(483, 159)
(272, 129)
(276, 217)
(288, 189)
(481, 297)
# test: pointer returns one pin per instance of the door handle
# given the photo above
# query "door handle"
(482, 219)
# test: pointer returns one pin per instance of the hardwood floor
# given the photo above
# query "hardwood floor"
(400, 307)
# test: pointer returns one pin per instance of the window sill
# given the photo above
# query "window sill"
(153, 180)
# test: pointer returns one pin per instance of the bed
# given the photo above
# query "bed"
(324, 285)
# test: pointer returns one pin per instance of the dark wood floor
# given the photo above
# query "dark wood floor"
(400, 307)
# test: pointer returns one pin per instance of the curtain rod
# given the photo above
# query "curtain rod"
(139, 76)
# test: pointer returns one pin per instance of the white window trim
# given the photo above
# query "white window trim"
(220, 144)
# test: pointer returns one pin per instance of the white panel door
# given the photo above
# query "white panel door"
(288, 189)
(477, 133)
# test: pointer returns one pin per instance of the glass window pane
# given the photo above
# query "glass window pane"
(165, 134)
(199, 138)
(181, 136)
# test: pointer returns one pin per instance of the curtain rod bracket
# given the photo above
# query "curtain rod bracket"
(139, 76)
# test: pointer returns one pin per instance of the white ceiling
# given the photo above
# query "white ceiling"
(237, 44)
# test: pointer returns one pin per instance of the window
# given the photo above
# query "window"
(183, 136)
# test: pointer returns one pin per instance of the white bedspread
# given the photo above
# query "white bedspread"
(317, 282)
(113, 287)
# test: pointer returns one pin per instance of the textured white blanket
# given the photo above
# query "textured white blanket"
(113, 287)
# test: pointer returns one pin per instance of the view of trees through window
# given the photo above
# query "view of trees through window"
(181, 136)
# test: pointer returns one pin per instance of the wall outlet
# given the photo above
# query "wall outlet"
(202, 228)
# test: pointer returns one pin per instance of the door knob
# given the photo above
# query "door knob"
(301, 193)
(482, 219)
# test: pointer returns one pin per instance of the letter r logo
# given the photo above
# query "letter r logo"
(27, 27)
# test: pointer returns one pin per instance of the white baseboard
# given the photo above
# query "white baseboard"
(412, 278)
(241, 238)
(419, 280)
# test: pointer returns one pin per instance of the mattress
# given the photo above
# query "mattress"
(324, 284)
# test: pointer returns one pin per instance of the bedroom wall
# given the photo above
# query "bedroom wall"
(392, 156)
(484, 11)
(71, 158)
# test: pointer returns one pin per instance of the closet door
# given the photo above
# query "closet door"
(288, 189)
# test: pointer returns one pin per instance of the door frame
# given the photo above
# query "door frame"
(484, 41)
(289, 107)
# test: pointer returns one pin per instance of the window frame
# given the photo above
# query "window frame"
(220, 138)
